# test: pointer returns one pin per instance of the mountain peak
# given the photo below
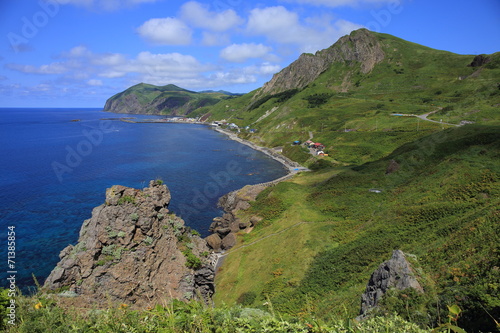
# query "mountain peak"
(361, 46)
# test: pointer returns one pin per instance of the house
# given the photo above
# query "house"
(318, 145)
(308, 143)
(296, 142)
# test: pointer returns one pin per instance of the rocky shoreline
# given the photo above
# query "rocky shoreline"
(291, 166)
(132, 245)
(225, 228)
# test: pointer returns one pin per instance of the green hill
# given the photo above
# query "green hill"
(168, 100)
(325, 232)
(357, 84)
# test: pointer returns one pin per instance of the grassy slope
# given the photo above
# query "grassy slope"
(441, 205)
(411, 79)
(322, 236)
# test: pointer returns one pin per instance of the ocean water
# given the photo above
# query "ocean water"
(55, 170)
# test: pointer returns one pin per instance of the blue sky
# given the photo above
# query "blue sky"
(78, 53)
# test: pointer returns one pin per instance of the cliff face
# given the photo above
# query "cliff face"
(134, 251)
(360, 46)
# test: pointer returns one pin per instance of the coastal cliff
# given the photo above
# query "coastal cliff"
(161, 100)
(133, 250)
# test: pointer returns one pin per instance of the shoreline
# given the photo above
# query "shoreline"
(291, 166)
(292, 169)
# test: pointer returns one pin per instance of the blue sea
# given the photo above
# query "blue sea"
(57, 163)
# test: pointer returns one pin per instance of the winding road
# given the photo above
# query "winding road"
(425, 115)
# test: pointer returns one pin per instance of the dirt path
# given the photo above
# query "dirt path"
(425, 115)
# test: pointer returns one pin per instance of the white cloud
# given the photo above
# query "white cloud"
(267, 69)
(277, 23)
(243, 52)
(166, 31)
(199, 15)
(94, 82)
(311, 34)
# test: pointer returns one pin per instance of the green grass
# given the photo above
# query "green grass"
(317, 253)
(41, 313)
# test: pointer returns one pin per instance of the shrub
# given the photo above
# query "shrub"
(126, 198)
(247, 298)
(316, 100)
(192, 261)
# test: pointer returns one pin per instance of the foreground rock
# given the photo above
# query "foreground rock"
(134, 251)
(394, 273)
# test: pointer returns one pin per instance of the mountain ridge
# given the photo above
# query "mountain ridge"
(170, 99)
(360, 46)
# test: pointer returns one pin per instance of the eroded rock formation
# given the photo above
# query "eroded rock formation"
(361, 46)
(134, 251)
(394, 273)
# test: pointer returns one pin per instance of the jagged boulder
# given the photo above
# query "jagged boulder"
(134, 251)
(214, 241)
(397, 273)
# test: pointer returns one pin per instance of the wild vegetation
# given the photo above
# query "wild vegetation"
(431, 189)
(325, 232)
(40, 314)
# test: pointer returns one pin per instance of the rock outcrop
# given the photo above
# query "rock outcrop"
(134, 251)
(224, 228)
(361, 46)
(394, 273)
(479, 61)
